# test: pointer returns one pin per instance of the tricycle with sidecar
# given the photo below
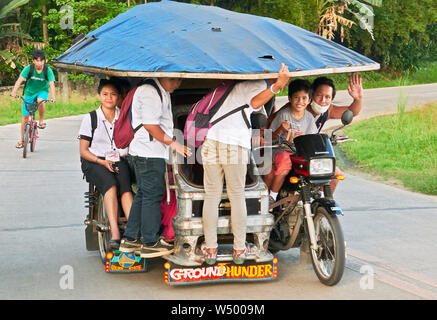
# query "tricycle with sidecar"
(205, 45)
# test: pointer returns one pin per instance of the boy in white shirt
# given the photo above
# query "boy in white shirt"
(149, 151)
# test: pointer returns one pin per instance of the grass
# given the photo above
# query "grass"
(10, 108)
(401, 147)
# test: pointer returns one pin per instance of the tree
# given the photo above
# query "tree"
(405, 33)
(332, 12)
(10, 30)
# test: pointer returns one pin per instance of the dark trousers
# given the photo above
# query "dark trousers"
(145, 213)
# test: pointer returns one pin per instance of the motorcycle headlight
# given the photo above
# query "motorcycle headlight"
(321, 167)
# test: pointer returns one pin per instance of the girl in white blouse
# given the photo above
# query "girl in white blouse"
(102, 163)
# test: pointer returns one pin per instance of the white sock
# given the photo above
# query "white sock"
(274, 195)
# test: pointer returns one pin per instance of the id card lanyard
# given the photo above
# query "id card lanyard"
(112, 155)
(111, 139)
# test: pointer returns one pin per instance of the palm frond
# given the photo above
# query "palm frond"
(14, 34)
(8, 57)
(12, 24)
(5, 10)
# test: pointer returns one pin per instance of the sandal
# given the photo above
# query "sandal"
(42, 126)
(239, 256)
(19, 145)
(210, 255)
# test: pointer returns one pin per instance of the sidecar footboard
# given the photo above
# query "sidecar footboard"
(188, 226)
(221, 272)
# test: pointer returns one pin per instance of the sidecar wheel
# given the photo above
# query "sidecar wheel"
(103, 236)
(329, 260)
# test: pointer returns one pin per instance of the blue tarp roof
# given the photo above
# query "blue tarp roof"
(172, 38)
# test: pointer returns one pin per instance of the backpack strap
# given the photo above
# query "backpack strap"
(29, 75)
(93, 115)
(235, 111)
(46, 71)
(31, 70)
(219, 103)
(151, 82)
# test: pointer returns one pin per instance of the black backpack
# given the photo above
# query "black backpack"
(93, 115)
(30, 74)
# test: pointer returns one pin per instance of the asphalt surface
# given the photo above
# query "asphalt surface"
(390, 233)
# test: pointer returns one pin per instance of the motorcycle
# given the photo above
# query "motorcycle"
(306, 214)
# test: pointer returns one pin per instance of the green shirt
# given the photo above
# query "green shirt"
(37, 82)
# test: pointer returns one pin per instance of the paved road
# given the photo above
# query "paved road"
(388, 231)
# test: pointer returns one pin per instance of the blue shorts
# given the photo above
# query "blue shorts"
(30, 99)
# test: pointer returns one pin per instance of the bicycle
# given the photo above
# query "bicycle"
(30, 131)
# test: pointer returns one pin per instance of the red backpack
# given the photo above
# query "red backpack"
(123, 130)
(199, 118)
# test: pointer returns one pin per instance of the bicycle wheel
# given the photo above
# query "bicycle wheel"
(26, 133)
(33, 137)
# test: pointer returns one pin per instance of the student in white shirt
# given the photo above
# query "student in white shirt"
(102, 163)
(225, 154)
(149, 151)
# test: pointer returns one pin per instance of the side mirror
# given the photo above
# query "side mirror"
(347, 117)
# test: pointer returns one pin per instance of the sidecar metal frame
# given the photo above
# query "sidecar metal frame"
(189, 228)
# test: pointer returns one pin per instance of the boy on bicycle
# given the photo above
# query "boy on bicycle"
(39, 80)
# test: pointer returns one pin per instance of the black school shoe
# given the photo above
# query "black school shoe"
(114, 244)
(127, 245)
(158, 249)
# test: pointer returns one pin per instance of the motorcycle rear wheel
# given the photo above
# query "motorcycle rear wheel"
(330, 258)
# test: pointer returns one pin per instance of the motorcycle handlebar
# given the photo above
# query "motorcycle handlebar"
(288, 145)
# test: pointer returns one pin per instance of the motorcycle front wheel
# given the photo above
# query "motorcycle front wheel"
(330, 257)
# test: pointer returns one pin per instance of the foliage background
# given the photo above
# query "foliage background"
(405, 31)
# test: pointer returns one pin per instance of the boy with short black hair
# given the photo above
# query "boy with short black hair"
(39, 80)
(291, 120)
(149, 151)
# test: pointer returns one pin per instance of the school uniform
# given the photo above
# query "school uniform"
(148, 157)
(101, 143)
(225, 154)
